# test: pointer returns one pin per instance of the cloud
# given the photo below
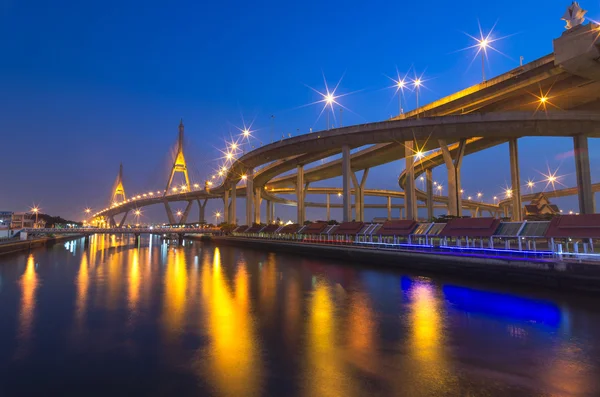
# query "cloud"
(565, 155)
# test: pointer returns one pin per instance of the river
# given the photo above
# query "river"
(114, 319)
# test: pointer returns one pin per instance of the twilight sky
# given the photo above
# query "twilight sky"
(85, 85)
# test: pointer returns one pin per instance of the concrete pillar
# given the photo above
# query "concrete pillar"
(583, 173)
(505, 211)
(232, 206)
(202, 210)
(249, 196)
(515, 177)
(359, 205)
(170, 216)
(453, 166)
(346, 176)
(124, 219)
(363, 182)
(389, 208)
(112, 222)
(429, 183)
(273, 218)
(226, 206)
(300, 194)
(328, 204)
(257, 203)
(410, 196)
(269, 212)
(186, 212)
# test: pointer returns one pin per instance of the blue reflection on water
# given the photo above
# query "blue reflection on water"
(503, 305)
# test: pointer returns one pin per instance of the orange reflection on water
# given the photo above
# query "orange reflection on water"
(426, 340)
(325, 372)
(234, 362)
(175, 293)
(361, 333)
(29, 284)
(83, 284)
(133, 291)
(293, 307)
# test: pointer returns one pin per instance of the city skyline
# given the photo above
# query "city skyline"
(80, 122)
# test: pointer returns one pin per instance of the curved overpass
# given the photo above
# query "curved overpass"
(485, 115)
(283, 155)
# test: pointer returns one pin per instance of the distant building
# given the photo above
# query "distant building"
(22, 220)
(540, 208)
(5, 219)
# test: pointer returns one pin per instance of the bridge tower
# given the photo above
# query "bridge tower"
(179, 165)
(119, 190)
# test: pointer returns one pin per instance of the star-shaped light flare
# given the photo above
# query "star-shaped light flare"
(329, 98)
(483, 43)
(552, 178)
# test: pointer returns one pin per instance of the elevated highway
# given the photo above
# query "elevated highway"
(556, 95)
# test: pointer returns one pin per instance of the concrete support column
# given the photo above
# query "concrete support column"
(429, 183)
(515, 177)
(269, 214)
(257, 203)
(453, 166)
(300, 194)
(389, 208)
(232, 206)
(112, 222)
(226, 206)
(328, 206)
(170, 216)
(584, 176)
(249, 196)
(124, 219)
(410, 195)
(202, 211)
(359, 205)
(186, 213)
(346, 176)
(273, 218)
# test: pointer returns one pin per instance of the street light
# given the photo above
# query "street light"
(217, 216)
(329, 100)
(417, 83)
(35, 210)
(400, 84)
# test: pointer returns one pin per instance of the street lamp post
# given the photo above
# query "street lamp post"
(36, 210)
(400, 93)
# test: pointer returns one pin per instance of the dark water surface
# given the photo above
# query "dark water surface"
(117, 320)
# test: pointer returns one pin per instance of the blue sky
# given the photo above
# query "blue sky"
(87, 85)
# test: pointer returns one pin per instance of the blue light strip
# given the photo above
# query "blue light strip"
(496, 250)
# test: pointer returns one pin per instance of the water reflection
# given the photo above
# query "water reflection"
(233, 365)
(361, 330)
(426, 338)
(197, 320)
(175, 293)
(83, 284)
(324, 372)
(134, 283)
(29, 284)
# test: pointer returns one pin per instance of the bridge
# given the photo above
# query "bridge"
(179, 232)
(500, 110)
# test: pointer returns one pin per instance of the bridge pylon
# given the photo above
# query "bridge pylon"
(119, 190)
(179, 165)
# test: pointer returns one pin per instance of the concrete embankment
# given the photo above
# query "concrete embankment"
(16, 246)
(544, 272)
